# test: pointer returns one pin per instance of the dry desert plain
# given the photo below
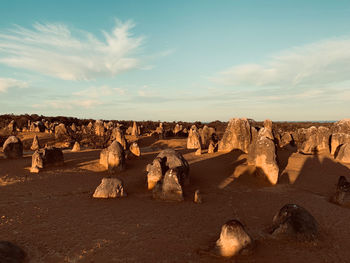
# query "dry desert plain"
(53, 217)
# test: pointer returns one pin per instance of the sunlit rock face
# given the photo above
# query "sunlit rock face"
(237, 136)
(113, 157)
(76, 147)
(233, 239)
(262, 153)
(35, 145)
(118, 135)
(135, 149)
(338, 139)
(343, 153)
(110, 188)
(13, 148)
(194, 139)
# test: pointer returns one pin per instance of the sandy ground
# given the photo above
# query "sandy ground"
(53, 217)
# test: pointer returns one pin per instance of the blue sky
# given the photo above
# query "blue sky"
(176, 60)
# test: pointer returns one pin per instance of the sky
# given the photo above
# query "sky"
(176, 60)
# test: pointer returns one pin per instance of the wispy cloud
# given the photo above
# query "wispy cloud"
(96, 92)
(7, 83)
(317, 64)
(59, 51)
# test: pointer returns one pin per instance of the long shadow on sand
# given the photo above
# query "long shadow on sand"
(320, 174)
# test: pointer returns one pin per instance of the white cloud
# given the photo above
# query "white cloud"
(68, 104)
(56, 50)
(7, 83)
(317, 64)
(102, 91)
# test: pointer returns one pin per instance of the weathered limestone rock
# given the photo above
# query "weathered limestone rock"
(193, 140)
(286, 139)
(233, 239)
(205, 134)
(166, 160)
(11, 253)
(262, 154)
(197, 197)
(113, 157)
(338, 139)
(12, 127)
(155, 172)
(342, 126)
(99, 128)
(135, 149)
(342, 190)
(177, 129)
(35, 145)
(13, 148)
(198, 152)
(46, 157)
(118, 135)
(237, 136)
(343, 154)
(294, 221)
(73, 127)
(110, 188)
(135, 130)
(60, 131)
(317, 139)
(170, 187)
(211, 148)
(76, 147)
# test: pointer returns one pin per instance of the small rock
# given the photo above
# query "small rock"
(110, 188)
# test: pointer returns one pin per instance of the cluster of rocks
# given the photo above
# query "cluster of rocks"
(167, 175)
(203, 138)
(291, 221)
(46, 157)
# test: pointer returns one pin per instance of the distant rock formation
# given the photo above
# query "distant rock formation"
(135, 130)
(233, 239)
(61, 131)
(118, 135)
(237, 136)
(99, 128)
(110, 188)
(76, 147)
(294, 221)
(35, 145)
(193, 140)
(113, 157)
(13, 148)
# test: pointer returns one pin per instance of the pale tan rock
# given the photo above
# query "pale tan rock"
(135, 149)
(193, 140)
(237, 136)
(233, 239)
(110, 188)
(35, 145)
(76, 147)
(344, 153)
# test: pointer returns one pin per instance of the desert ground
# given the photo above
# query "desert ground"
(53, 217)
